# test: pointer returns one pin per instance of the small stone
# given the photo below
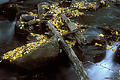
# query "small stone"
(27, 17)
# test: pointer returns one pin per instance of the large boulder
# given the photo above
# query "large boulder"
(95, 48)
(43, 55)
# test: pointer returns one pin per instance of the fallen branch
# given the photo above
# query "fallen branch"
(77, 64)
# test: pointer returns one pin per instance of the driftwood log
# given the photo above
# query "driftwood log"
(80, 38)
(77, 64)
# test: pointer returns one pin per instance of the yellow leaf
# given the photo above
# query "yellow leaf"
(113, 50)
(30, 13)
(35, 15)
(96, 44)
(43, 5)
(108, 47)
(60, 50)
(100, 35)
(81, 13)
(20, 19)
(116, 33)
(103, 2)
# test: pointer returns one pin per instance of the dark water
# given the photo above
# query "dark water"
(106, 16)
(62, 69)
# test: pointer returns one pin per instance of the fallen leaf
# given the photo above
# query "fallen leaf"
(113, 50)
(108, 47)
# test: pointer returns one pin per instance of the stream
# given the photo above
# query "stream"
(106, 69)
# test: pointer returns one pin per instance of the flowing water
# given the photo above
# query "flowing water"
(1, 1)
(103, 70)
(6, 31)
(106, 68)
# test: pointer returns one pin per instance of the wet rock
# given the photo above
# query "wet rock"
(87, 4)
(65, 3)
(111, 34)
(41, 56)
(94, 48)
(20, 30)
(32, 26)
(91, 34)
(9, 11)
(32, 38)
(27, 17)
(117, 56)
(93, 53)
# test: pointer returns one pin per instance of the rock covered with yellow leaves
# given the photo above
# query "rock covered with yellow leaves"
(35, 54)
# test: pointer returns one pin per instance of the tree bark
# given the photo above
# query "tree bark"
(77, 64)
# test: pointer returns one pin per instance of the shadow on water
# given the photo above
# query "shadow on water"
(61, 69)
